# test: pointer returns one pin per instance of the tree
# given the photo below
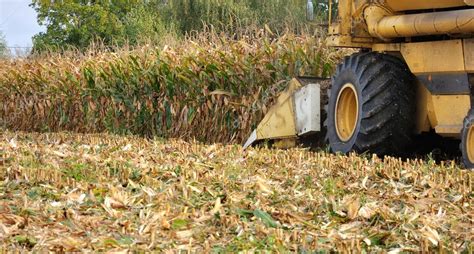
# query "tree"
(73, 23)
(142, 25)
(229, 15)
(4, 52)
(191, 15)
(77, 23)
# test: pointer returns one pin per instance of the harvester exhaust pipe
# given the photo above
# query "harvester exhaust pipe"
(310, 10)
(382, 24)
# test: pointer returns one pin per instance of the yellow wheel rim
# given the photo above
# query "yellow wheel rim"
(347, 112)
(470, 144)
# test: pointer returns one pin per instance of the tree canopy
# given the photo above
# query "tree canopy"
(77, 23)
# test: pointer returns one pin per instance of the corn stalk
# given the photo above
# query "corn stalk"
(207, 88)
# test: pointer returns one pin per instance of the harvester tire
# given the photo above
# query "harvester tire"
(467, 141)
(371, 105)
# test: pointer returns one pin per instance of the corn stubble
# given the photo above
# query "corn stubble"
(71, 192)
(209, 87)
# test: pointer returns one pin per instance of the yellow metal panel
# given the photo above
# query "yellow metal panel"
(434, 57)
(345, 16)
(431, 111)
(447, 113)
(422, 120)
(348, 42)
(469, 54)
(279, 122)
(387, 47)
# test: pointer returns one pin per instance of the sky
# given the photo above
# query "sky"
(18, 22)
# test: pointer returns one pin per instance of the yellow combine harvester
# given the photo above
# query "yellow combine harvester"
(414, 73)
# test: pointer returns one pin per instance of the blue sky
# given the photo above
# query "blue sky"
(18, 22)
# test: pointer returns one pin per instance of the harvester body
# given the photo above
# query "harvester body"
(422, 49)
(434, 38)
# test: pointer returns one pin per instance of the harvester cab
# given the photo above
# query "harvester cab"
(414, 74)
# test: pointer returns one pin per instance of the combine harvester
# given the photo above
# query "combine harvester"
(414, 74)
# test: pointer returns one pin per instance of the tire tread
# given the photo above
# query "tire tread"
(388, 109)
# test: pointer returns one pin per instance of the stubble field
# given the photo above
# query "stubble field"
(71, 192)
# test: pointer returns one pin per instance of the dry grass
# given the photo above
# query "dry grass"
(70, 192)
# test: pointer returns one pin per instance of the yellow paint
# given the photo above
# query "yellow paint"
(373, 14)
(443, 113)
(386, 26)
(470, 144)
(469, 54)
(434, 57)
(347, 41)
(422, 120)
(374, 24)
(279, 122)
(345, 16)
(403, 5)
(387, 47)
(347, 112)
(362, 23)
(447, 112)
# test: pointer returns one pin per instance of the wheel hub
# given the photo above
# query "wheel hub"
(470, 144)
(347, 112)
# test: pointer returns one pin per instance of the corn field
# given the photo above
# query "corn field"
(207, 88)
(83, 191)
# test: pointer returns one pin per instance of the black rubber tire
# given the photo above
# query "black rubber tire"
(468, 123)
(386, 93)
